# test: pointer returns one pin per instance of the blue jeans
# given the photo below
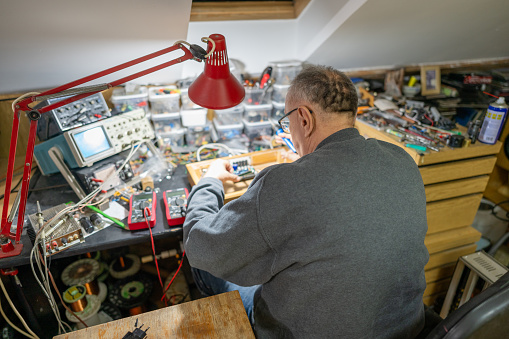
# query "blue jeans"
(210, 285)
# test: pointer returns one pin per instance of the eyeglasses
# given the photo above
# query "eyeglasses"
(284, 122)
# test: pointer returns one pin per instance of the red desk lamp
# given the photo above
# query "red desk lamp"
(216, 88)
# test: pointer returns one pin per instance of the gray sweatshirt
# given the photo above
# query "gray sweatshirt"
(336, 238)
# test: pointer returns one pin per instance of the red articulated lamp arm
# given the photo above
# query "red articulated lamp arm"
(21, 105)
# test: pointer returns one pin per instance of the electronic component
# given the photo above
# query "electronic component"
(142, 208)
(138, 333)
(84, 272)
(242, 167)
(92, 177)
(62, 234)
(78, 113)
(175, 202)
(83, 146)
(125, 266)
(86, 306)
(131, 293)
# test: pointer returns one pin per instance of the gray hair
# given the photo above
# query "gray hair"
(331, 90)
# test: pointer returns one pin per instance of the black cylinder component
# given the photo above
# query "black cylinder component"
(96, 219)
(86, 224)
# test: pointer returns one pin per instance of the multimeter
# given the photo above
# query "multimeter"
(176, 205)
(142, 208)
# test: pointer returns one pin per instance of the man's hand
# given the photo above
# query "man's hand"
(286, 154)
(221, 169)
(279, 137)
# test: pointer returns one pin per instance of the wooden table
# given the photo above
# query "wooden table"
(220, 316)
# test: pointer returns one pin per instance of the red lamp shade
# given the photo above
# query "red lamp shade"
(216, 87)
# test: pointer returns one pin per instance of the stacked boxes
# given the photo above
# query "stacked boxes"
(283, 73)
(228, 122)
(127, 100)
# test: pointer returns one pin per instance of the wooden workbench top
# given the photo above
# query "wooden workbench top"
(221, 316)
(446, 154)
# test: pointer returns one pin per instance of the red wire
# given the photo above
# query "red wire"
(145, 212)
(178, 269)
(428, 119)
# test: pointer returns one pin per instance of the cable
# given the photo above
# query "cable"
(495, 214)
(146, 211)
(62, 301)
(33, 335)
(14, 326)
(177, 272)
(213, 146)
(40, 236)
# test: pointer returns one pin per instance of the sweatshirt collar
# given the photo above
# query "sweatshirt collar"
(341, 135)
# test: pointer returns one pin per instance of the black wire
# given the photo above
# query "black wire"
(13, 189)
(495, 214)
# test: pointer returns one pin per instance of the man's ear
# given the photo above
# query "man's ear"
(306, 120)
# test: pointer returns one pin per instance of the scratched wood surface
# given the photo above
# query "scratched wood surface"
(221, 316)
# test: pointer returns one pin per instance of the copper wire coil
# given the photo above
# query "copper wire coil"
(92, 287)
(79, 305)
(137, 310)
(76, 297)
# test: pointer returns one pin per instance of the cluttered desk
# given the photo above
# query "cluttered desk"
(111, 178)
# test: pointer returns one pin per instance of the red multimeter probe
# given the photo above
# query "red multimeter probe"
(176, 205)
(138, 203)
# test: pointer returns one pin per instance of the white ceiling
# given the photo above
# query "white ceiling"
(48, 43)
(403, 32)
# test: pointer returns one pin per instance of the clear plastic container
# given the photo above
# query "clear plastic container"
(165, 123)
(173, 138)
(284, 72)
(279, 93)
(230, 116)
(278, 111)
(257, 96)
(186, 102)
(198, 135)
(164, 100)
(128, 102)
(194, 117)
(258, 130)
(257, 113)
(228, 132)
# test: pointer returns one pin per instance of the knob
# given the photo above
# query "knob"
(120, 136)
(137, 129)
(129, 132)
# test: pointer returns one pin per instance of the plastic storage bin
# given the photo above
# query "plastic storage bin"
(198, 135)
(257, 96)
(194, 117)
(173, 138)
(229, 131)
(279, 93)
(284, 72)
(164, 100)
(258, 130)
(186, 102)
(165, 123)
(127, 102)
(257, 113)
(230, 116)
(278, 111)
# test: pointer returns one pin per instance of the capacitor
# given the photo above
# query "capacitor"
(86, 224)
(96, 219)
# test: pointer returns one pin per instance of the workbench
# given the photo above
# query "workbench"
(108, 238)
(220, 316)
(454, 181)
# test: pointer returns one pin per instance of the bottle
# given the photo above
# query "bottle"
(493, 122)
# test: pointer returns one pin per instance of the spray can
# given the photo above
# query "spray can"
(493, 122)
